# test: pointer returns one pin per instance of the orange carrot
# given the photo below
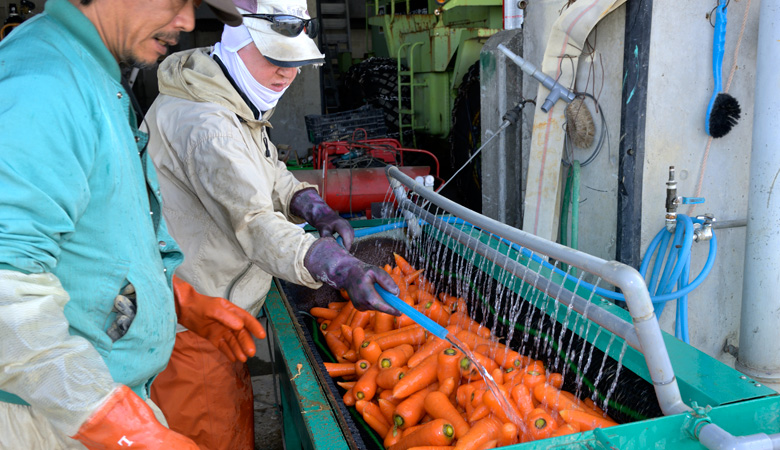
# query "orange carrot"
(351, 355)
(347, 385)
(508, 434)
(448, 364)
(478, 412)
(592, 405)
(403, 264)
(388, 378)
(344, 294)
(370, 350)
(498, 375)
(505, 357)
(554, 398)
(324, 313)
(412, 335)
(346, 334)
(358, 336)
(377, 423)
(396, 356)
(336, 370)
(482, 432)
(463, 395)
(566, 428)
(411, 410)
(361, 366)
(438, 405)
(467, 323)
(522, 397)
(585, 420)
(348, 398)
(540, 424)
(336, 346)
(429, 348)
(412, 277)
(417, 378)
(360, 319)
(383, 322)
(324, 326)
(435, 432)
(498, 411)
(387, 408)
(447, 386)
(533, 376)
(393, 436)
(555, 379)
(432, 447)
(424, 285)
(470, 338)
(335, 324)
(424, 297)
(469, 370)
(365, 388)
(337, 305)
(436, 311)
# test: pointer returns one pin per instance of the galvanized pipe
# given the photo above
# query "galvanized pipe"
(759, 335)
(632, 284)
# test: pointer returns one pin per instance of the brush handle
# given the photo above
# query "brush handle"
(409, 310)
(718, 46)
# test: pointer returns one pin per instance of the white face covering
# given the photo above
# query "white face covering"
(233, 40)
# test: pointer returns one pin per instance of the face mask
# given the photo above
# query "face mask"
(233, 40)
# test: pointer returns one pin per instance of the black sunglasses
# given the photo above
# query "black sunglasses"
(288, 25)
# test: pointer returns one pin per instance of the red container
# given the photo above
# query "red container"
(354, 190)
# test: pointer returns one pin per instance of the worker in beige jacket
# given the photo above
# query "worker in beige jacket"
(233, 206)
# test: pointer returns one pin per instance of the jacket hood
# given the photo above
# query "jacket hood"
(194, 75)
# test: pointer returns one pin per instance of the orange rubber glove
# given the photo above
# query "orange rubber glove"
(125, 420)
(224, 324)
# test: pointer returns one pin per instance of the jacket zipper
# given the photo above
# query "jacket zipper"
(232, 285)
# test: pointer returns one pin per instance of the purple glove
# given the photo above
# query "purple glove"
(308, 204)
(330, 263)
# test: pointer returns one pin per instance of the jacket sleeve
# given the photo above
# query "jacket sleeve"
(247, 192)
(62, 376)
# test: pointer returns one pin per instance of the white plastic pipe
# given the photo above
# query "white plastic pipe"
(759, 335)
(716, 438)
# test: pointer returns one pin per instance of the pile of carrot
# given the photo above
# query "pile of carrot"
(421, 393)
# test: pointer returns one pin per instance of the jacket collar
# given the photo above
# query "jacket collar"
(85, 33)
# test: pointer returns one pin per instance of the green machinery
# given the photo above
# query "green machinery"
(434, 50)
(665, 396)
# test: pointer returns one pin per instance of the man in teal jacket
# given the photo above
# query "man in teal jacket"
(87, 310)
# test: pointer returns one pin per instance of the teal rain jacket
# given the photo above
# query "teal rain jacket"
(79, 199)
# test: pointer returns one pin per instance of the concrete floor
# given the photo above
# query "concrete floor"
(268, 420)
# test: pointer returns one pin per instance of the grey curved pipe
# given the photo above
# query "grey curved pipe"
(648, 332)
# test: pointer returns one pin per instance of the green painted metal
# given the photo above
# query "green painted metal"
(308, 418)
(447, 41)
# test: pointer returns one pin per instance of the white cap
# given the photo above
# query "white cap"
(280, 50)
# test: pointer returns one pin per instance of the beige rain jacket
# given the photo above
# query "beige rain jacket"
(225, 193)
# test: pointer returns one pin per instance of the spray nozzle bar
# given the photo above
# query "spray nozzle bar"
(557, 91)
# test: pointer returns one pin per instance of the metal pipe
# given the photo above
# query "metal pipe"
(722, 224)
(759, 336)
(632, 284)
(604, 318)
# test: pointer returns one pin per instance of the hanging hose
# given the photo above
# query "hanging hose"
(571, 194)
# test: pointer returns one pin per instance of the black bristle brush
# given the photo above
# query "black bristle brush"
(723, 110)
